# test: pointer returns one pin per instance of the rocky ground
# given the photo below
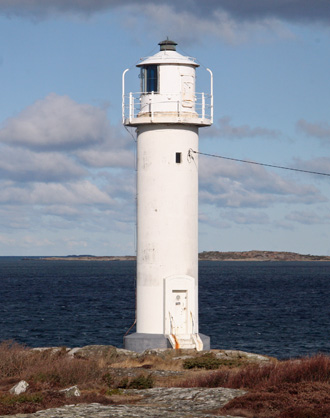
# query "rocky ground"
(162, 400)
(153, 403)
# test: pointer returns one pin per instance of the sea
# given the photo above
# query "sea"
(279, 309)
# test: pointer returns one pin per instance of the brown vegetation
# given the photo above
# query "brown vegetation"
(48, 371)
(286, 389)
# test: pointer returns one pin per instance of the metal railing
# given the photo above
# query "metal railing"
(193, 331)
(139, 104)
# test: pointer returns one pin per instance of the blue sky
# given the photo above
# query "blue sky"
(67, 174)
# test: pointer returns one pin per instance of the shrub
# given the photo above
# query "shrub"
(12, 359)
(207, 361)
(108, 379)
(22, 398)
(123, 383)
(288, 389)
(30, 402)
(313, 369)
(141, 382)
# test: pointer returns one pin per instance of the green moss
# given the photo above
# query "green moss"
(209, 362)
(115, 391)
(22, 398)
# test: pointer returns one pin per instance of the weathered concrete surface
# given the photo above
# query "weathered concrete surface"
(154, 403)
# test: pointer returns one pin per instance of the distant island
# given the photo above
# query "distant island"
(259, 256)
(213, 256)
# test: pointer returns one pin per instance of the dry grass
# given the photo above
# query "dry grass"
(151, 361)
(53, 369)
(49, 371)
(288, 389)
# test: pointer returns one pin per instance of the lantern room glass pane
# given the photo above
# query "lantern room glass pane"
(152, 78)
(149, 76)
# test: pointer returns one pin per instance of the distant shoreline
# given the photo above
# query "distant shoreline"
(211, 256)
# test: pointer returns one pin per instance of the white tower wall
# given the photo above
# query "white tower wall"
(167, 219)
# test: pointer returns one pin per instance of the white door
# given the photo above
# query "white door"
(180, 311)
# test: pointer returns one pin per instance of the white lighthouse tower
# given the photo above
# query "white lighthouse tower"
(167, 113)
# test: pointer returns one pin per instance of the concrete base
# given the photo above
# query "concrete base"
(206, 341)
(139, 342)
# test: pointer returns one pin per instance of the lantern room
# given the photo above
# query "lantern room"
(168, 91)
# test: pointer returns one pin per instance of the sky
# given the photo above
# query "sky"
(67, 166)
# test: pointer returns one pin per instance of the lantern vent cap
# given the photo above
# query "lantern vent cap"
(167, 45)
(167, 56)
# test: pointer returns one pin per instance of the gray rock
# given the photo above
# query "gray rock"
(72, 391)
(237, 354)
(52, 350)
(19, 388)
(106, 352)
(125, 352)
(73, 351)
(154, 403)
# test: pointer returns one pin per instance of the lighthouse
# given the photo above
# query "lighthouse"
(167, 113)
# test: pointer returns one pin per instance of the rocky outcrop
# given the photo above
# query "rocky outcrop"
(159, 401)
(153, 403)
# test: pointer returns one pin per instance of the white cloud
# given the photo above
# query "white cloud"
(320, 130)
(247, 217)
(72, 244)
(225, 129)
(241, 185)
(103, 157)
(63, 168)
(121, 184)
(252, 10)
(188, 25)
(63, 211)
(56, 122)
(308, 217)
(77, 193)
(5, 240)
(24, 165)
(32, 241)
(318, 165)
